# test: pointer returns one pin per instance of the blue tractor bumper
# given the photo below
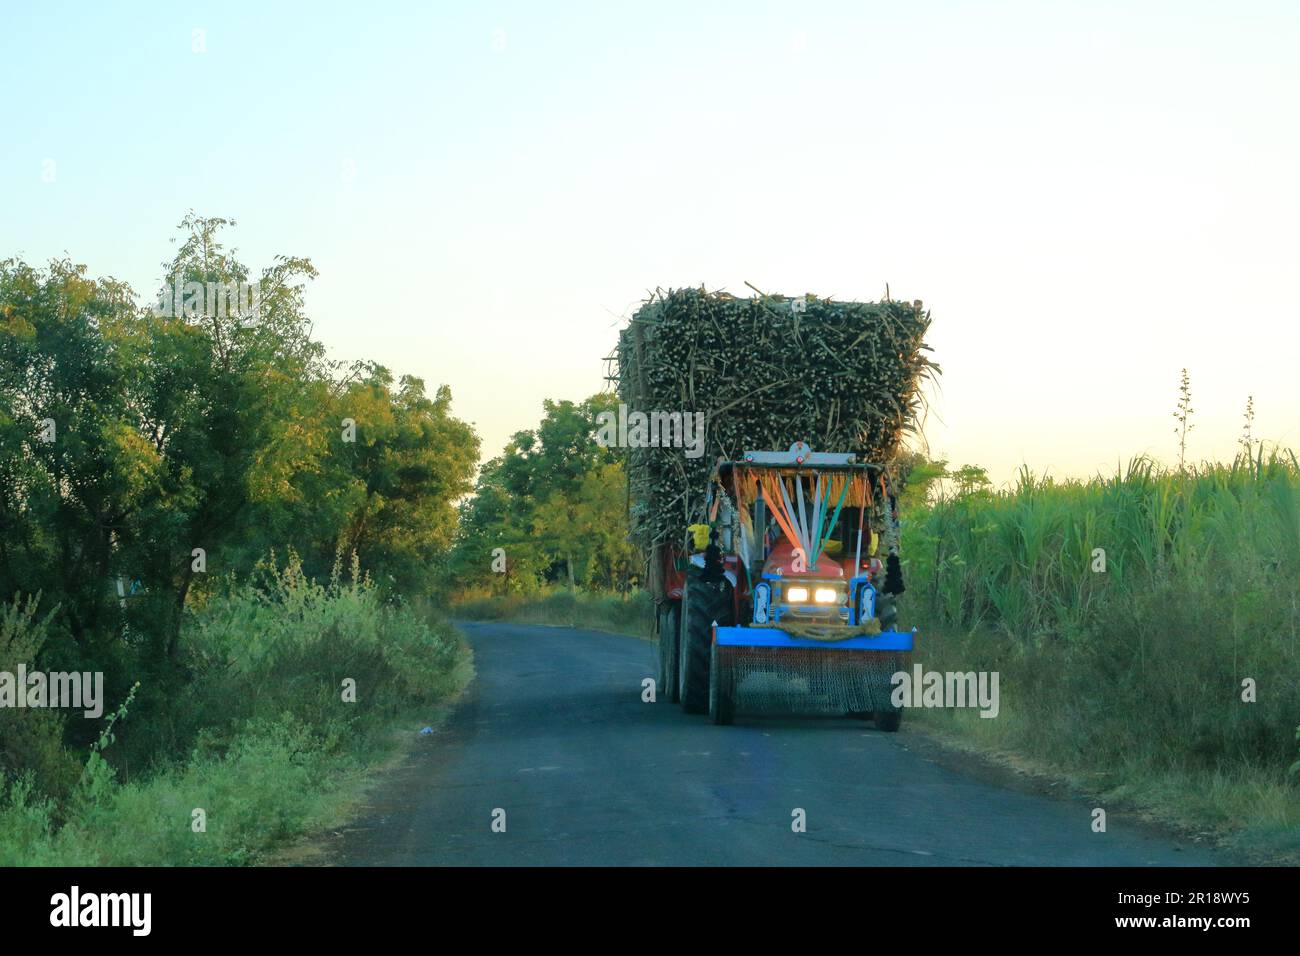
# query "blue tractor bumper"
(775, 637)
(761, 670)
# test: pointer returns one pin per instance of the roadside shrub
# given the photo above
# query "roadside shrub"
(31, 741)
(269, 740)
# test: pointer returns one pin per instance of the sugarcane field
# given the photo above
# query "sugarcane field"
(449, 450)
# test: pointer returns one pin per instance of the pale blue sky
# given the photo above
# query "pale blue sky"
(1089, 196)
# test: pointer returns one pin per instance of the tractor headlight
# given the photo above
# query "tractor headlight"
(825, 596)
(796, 595)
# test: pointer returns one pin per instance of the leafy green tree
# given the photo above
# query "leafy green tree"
(222, 399)
(492, 520)
(971, 480)
(73, 473)
(556, 501)
(609, 557)
(147, 452)
(410, 462)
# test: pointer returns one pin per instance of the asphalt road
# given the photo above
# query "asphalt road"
(554, 733)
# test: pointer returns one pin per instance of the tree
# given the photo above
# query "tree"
(410, 462)
(153, 450)
(72, 470)
(556, 500)
(971, 480)
(229, 405)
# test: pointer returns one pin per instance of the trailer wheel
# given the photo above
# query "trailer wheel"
(706, 602)
(670, 624)
(888, 720)
(722, 691)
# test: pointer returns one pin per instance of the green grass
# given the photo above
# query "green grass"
(632, 614)
(1130, 681)
(275, 752)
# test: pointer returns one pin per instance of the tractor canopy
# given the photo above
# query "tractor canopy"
(803, 514)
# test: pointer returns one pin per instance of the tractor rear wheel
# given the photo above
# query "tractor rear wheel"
(705, 602)
(670, 624)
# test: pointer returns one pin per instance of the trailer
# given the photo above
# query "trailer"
(773, 551)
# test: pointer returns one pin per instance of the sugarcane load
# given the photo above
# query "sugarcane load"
(773, 551)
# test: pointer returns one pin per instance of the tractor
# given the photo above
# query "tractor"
(778, 601)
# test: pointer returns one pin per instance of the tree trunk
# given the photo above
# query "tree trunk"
(174, 626)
